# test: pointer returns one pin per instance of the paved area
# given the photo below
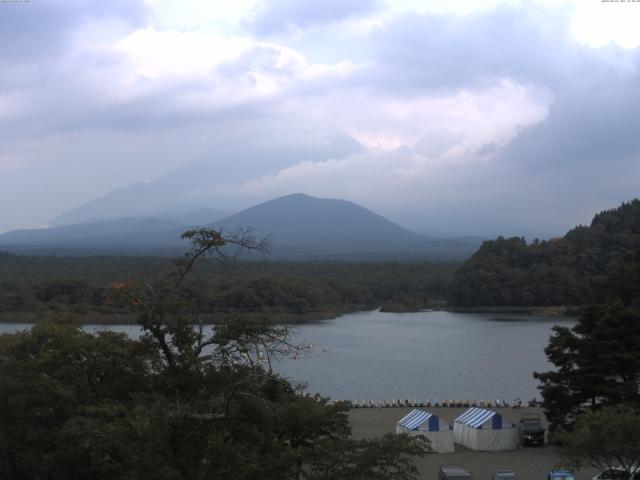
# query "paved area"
(531, 463)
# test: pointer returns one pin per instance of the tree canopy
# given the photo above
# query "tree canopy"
(606, 439)
(580, 268)
(183, 401)
(597, 363)
(34, 287)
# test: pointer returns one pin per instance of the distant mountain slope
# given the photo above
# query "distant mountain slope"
(581, 267)
(200, 216)
(304, 227)
(330, 224)
(299, 227)
(122, 231)
(114, 235)
(229, 164)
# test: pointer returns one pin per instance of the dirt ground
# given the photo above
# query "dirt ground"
(530, 463)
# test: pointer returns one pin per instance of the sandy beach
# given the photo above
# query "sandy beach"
(530, 463)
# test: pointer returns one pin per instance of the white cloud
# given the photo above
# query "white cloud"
(598, 23)
(469, 117)
(404, 164)
(286, 16)
(221, 16)
(152, 54)
(12, 104)
(433, 89)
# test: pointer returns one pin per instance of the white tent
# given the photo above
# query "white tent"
(480, 429)
(419, 422)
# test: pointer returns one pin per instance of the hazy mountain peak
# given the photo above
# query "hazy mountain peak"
(185, 188)
(299, 217)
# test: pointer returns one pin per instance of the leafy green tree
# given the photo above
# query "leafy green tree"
(583, 267)
(606, 439)
(597, 364)
(56, 376)
(182, 402)
(625, 282)
(373, 459)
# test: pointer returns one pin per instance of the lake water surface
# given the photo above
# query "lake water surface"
(426, 355)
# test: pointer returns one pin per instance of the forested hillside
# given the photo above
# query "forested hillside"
(587, 265)
(33, 287)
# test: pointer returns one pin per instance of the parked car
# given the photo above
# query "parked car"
(505, 475)
(560, 475)
(453, 472)
(530, 430)
(618, 473)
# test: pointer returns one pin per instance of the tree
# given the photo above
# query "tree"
(161, 307)
(625, 282)
(597, 364)
(582, 267)
(183, 402)
(606, 439)
(373, 459)
(56, 378)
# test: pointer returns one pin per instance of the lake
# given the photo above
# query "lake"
(431, 355)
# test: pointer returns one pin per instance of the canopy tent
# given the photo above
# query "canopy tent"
(480, 429)
(419, 422)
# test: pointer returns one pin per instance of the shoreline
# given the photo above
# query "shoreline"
(282, 318)
(96, 318)
(535, 311)
(499, 404)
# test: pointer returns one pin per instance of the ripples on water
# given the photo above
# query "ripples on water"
(426, 355)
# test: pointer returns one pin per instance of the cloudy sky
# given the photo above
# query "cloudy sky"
(453, 118)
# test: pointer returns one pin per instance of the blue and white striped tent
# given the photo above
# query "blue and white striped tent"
(477, 417)
(481, 429)
(419, 422)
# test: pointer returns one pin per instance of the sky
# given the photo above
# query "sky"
(450, 118)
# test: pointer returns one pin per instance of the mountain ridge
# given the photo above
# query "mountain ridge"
(299, 226)
(231, 162)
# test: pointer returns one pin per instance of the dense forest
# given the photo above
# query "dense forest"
(279, 291)
(588, 265)
(178, 403)
(585, 266)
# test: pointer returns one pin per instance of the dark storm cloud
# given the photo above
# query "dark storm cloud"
(597, 126)
(278, 16)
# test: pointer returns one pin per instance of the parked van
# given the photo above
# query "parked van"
(453, 472)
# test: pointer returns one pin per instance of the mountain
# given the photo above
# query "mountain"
(304, 227)
(587, 265)
(320, 224)
(200, 181)
(108, 234)
(132, 235)
(200, 216)
(298, 226)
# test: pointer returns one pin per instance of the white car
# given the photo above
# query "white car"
(618, 473)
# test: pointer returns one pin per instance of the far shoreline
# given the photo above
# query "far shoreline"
(281, 318)
(534, 311)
